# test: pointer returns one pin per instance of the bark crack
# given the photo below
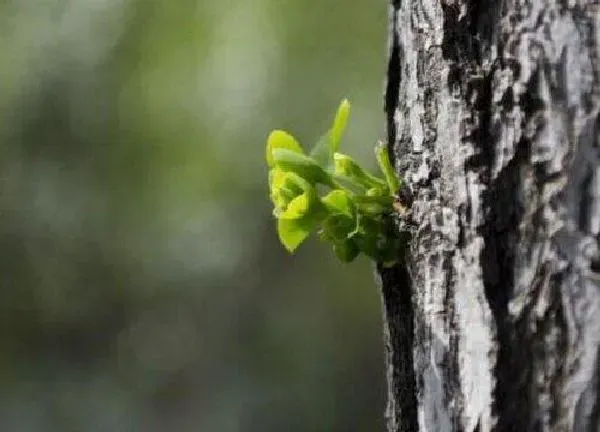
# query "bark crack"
(398, 336)
(396, 285)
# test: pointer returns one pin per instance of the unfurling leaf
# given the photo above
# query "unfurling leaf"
(285, 186)
(339, 125)
(383, 159)
(327, 145)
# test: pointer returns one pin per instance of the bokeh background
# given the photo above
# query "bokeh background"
(143, 287)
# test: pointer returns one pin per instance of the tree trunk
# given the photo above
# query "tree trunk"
(493, 117)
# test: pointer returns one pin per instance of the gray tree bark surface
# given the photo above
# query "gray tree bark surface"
(493, 323)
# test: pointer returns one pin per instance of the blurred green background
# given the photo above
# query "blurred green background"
(143, 287)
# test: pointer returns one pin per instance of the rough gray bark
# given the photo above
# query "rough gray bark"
(493, 117)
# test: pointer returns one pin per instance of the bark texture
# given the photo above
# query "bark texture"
(493, 119)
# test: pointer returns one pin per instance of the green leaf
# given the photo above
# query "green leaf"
(358, 228)
(383, 159)
(346, 250)
(339, 201)
(323, 151)
(368, 238)
(352, 215)
(284, 187)
(339, 124)
(337, 227)
(292, 232)
(279, 196)
(374, 192)
(382, 200)
(296, 183)
(346, 167)
(374, 205)
(297, 208)
(276, 178)
(279, 139)
(303, 165)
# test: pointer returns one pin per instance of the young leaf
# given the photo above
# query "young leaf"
(339, 125)
(347, 168)
(339, 201)
(297, 208)
(302, 165)
(321, 151)
(367, 238)
(374, 205)
(327, 145)
(346, 250)
(284, 187)
(278, 192)
(279, 139)
(383, 159)
(292, 232)
(338, 227)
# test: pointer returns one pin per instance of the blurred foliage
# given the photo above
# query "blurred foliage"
(142, 284)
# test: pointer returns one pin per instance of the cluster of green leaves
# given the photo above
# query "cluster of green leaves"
(352, 214)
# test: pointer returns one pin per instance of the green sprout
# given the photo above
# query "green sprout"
(352, 215)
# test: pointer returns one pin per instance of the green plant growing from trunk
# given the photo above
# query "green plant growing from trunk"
(352, 215)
